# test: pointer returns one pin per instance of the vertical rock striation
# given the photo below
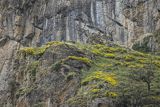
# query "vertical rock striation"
(65, 20)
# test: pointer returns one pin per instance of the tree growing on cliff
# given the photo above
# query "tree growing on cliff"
(138, 86)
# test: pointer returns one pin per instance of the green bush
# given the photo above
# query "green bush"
(39, 50)
(82, 59)
(110, 55)
(56, 66)
(102, 76)
(129, 58)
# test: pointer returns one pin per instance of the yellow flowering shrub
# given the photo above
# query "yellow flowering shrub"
(95, 90)
(110, 55)
(82, 59)
(136, 66)
(102, 76)
(103, 50)
(34, 51)
(39, 50)
(97, 52)
(111, 94)
(129, 58)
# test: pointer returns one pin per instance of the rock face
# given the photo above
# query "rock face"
(38, 78)
(123, 21)
(26, 23)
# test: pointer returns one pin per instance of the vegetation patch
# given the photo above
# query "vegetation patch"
(100, 75)
(139, 54)
(24, 91)
(56, 66)
(40, 104)
(157, 63)
(82, 59)
(39, 50)
(34, 51)
(135, 65)
(102, 50)
(55, 43)
(70, 75)
(144, 46)
(110, 55)
(129, 58)
(126, 76)
(32, 69)
(111, 94)
(80, 100)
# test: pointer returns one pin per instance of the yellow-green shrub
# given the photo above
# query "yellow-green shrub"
(82, 59)
(139, 54)
(54, 43)
(39, 50)
(129, 58)
(97, 52)
(100, 76)
(111, 94)
(28, 50)
(34, 51)
(157, 63)
(95, 90)
(143, 60)
(136, 66)
(110, 55)
(118, 63)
